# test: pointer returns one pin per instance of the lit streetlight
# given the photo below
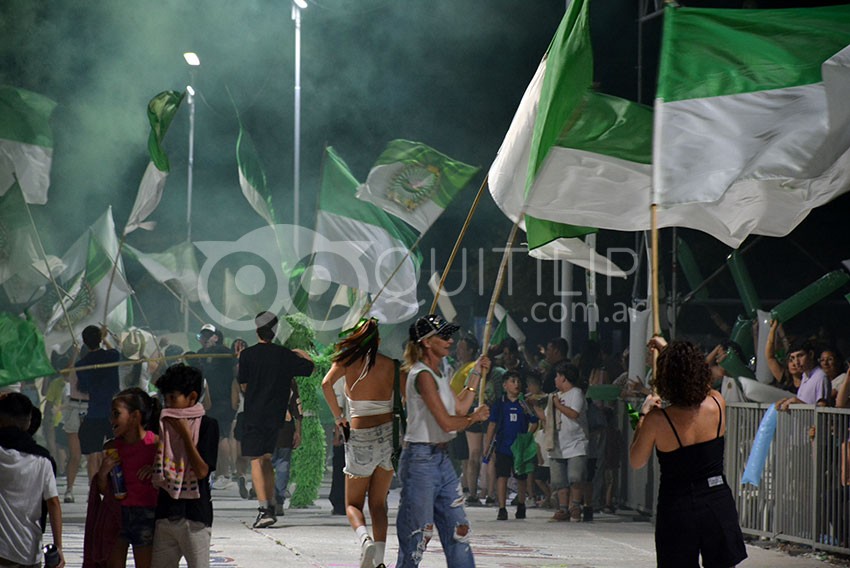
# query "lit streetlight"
(194, 62)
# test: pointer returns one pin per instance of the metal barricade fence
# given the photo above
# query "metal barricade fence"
(803, 495)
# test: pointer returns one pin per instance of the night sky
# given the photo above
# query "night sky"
(446, 73)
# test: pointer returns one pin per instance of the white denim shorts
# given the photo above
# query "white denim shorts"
(367, 449)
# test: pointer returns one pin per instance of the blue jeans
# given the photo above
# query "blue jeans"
(281, 461)
(430, 495)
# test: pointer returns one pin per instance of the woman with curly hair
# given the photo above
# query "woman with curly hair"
(369, 445)
(696, 513)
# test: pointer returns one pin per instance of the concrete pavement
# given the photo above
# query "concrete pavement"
(315, 537)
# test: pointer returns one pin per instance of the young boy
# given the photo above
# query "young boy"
(187, 455)
(509, 417)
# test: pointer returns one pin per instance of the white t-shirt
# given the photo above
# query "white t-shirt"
(25, 481)
(421, 424)
(572, 433)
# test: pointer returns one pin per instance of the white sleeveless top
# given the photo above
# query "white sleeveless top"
(422, 427)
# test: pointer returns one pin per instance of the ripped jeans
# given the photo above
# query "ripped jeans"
(430, 495)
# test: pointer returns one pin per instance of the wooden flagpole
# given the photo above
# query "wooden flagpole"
(457, 245)
(500, 279)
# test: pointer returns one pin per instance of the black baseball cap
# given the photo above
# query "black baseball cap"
(429, 325)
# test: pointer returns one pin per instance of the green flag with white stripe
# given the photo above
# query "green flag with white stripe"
(26, 142)
(252, 177)
(361, 246)
(751, 114)
(161, 111)
(414, 182)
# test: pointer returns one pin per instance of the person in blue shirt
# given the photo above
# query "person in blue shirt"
(509, 417)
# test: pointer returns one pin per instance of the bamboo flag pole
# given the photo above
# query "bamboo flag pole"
(656, 315)
(112, 277)
(500, 279)
(59, 293)
(389, 279)
(457, 245)
(127, 363)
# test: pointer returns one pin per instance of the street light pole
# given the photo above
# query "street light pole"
(297, 6)
(194, 62)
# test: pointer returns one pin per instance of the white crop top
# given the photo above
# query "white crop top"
(361, 408)
(422, 427)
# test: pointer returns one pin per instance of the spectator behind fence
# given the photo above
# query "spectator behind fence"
(815, 387)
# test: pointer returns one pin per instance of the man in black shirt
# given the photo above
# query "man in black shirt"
(265, 376)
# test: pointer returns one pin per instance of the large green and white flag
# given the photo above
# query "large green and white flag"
(587, 159)
(414, 182)
(161, 111)
(86, 300)
(360, 246)
(26, 142)
(252, 177)
(176, 264)
(751, 115)
(568, 148)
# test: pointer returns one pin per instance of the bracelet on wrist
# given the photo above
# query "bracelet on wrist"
(475, 372)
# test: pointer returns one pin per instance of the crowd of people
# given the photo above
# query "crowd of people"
(513, 427)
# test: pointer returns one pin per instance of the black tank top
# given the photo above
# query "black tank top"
(695, 466)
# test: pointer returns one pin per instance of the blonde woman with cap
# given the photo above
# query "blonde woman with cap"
(430, 493)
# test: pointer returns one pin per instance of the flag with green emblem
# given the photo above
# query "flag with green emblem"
(414, 182)
(26, 142)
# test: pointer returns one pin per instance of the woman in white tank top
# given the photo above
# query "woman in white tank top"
(368, 447)
(430, 493)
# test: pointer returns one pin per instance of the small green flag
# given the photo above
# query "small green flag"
(22, 353)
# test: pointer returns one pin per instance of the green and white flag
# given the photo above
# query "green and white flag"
(751, 115)
(360, 246)
(252, 177)
(511, 326)
(729, 175)
(26, 142)
(567, 148)
(22, 353)
(76, 259)
(85, 302)
(18, 252)
(414, 182)
(161, 111)
(176, 264)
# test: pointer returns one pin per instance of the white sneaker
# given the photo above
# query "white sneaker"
(69, 497)
(367, 553)
(221, 482)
